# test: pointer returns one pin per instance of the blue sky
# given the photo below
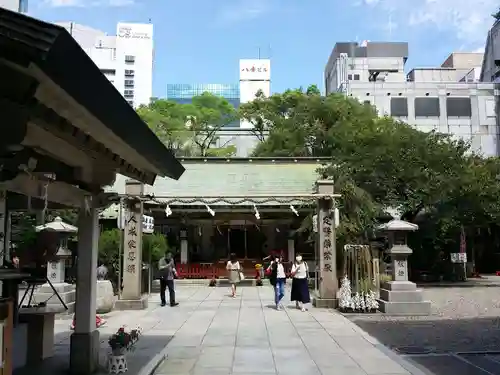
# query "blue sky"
(201, 41)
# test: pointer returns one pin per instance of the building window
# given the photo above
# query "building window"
(129, 59)
(108, 72)
(128, 94)
(349, 77)
(458, 107)
(129, 83)
(129, 73)
(399, 107)
(427, 107)
(356, 77)
(131, 102)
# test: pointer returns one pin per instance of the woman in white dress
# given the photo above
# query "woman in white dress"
(234, 270)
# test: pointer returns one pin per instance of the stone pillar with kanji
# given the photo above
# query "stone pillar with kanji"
(326, 249)
(131, 297)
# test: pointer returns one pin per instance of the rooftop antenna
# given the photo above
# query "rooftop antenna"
(259, 52)
(149, 21)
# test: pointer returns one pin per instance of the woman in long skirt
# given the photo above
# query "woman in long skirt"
(300, 284)
(234, 272)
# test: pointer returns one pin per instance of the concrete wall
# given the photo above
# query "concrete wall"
(243, 139)
(480, 128)
(463, 60)
(491, 63)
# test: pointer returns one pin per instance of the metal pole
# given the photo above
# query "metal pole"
(120, 248)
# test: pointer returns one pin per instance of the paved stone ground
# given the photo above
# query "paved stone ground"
(464, 320)
(218, 335)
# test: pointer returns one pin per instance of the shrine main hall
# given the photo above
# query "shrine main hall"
(246, 206)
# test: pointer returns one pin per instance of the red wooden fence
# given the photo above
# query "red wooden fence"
(212, 271)
(197, 271)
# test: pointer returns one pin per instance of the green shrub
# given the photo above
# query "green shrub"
(384, 278)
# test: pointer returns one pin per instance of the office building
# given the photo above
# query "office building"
(255, 76)
(183, 93)
(490, 71)
(448, 99)
(20, 6)
(491, 62)
(126, 58)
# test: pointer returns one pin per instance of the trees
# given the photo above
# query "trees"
(205, 117)
(191, 129)
(379, 162)
(167, 120)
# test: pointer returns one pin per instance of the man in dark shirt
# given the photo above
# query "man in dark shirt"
(167, 275)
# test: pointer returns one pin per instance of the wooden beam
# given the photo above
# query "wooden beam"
(57, 192)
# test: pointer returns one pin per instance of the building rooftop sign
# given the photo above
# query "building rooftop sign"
(255, 70)
(127, 32)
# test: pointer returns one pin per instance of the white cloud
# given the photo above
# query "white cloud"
(240, 10)
(88, 3)
(468, 20)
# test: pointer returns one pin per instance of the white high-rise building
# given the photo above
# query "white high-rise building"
(255, 75)
(125, 58)
(20, 6)
(447, 99)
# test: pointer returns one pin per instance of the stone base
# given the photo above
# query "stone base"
(402, 298)
(329, 303)
(44, 293)
(105, 300)
(40, 335)
(84, 353)
(136, 304)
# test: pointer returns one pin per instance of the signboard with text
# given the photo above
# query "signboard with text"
(135, 32)
(255, 69)
(148, 223)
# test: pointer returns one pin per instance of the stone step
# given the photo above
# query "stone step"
(401, 296)
(405, 308)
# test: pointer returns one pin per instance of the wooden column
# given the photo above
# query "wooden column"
(245, 235)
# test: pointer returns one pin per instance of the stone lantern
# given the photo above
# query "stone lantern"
(56, 268)
(400, 296)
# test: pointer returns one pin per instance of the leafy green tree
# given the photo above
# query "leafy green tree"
(154, 246)
(206, 116)
(379, 162)
(191, 129)
(167, 120)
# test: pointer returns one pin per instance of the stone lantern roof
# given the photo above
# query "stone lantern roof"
(58, 225)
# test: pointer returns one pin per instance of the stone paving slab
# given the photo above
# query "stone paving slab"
(215, 334)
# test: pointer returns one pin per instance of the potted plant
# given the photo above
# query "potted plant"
(121, 342)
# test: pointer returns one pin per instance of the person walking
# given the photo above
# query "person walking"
(234, 273)
(277, 279)
(300, 285)
(167, 275)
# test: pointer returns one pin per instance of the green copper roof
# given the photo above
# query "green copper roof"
(235, 178)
